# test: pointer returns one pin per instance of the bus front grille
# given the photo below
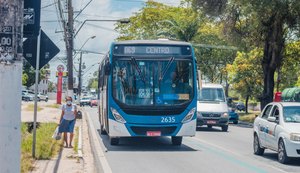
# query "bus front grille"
(143, 130)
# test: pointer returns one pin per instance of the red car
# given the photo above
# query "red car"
(94, 102)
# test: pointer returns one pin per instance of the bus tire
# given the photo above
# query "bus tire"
(176, 140)
(113, 140)
(102, 130)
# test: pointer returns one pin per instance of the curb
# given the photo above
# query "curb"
(79, 149)
(244, 123)
(97, 151)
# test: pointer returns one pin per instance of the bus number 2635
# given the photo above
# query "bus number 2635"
(167, 120)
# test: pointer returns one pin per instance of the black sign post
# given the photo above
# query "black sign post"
(47, 50)
(32, 13)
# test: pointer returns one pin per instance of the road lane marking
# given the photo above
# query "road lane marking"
(237, 154)
(97, 147)
(218, 151)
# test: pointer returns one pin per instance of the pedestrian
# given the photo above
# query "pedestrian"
(67, 121)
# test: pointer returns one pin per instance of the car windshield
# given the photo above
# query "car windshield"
(85, 99)
(211, 95)
(152, 82)
(291, 114)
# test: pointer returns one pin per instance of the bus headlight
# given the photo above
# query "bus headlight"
(295, 136)
(117, 116)
(189, 116)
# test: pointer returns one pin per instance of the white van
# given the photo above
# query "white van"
(212, 108)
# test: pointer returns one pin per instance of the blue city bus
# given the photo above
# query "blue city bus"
(148, 88)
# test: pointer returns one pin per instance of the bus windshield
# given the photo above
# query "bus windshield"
(166, 81)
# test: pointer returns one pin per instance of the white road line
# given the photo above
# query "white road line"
(229, 151)
(98, 149)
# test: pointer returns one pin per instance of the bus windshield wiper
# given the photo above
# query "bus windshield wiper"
(166, 69)
(133, 60)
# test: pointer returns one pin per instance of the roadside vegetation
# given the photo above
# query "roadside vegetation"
(248, 117)
(57, 106)
(76, 135)
(46, 147)
(30, 108)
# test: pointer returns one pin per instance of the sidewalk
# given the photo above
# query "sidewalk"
(67, 160)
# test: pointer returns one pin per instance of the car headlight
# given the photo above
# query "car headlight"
(224, 115)
(295, 136)
(189, 116)
(117, 116)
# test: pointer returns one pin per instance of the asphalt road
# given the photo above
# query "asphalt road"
(210, 151)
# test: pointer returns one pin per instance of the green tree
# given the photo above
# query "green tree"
(157, 20)
(213, 52)
(29, 74)
(272, 21)
(290, 69)
(246, 74)
(93, 81)
(24, 78)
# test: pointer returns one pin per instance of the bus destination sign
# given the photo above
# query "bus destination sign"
(151, 50)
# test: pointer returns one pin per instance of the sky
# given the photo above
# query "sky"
(103, 31)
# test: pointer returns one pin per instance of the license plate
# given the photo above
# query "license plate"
(211, 122)
(153, 133)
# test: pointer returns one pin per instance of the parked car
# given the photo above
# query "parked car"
(240, 106)
(42, 97)
(85, 101)
(93, 102)
(233, 116)
(27, 97)
(278, 129)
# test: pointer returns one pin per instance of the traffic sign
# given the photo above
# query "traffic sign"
(6, 41)
(32, 13)
(47, 52)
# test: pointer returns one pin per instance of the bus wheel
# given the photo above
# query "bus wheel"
(176, 140)
(102, 131)
(113, 141)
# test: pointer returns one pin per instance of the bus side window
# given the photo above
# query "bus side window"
(101, 80)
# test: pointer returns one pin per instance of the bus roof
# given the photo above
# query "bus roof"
(154, 42)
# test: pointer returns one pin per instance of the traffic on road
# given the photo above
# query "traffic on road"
(211, 150)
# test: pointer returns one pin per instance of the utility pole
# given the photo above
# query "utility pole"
(11, 36)
(69, 44)
(79, 77)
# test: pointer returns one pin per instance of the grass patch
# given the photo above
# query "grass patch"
(46, 147)
(76, 135)
(57, 106)
(249, 117)
(30, 107)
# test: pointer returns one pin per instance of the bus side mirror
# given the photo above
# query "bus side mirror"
(107, 69)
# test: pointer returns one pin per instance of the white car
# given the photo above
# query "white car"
(278, 129)
(41, 97)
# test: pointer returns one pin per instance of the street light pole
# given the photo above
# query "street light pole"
(79, 77)
(80, 64)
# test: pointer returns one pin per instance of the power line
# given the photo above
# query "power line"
(49, 5)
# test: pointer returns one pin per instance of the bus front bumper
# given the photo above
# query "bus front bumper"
(117, 129)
